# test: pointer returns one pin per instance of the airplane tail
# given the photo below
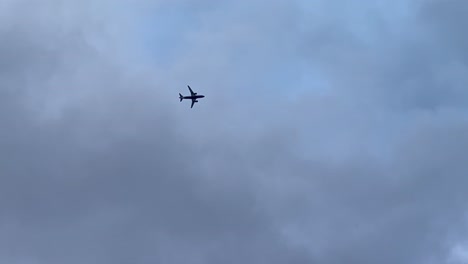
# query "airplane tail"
(181, 97)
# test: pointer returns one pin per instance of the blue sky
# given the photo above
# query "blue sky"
(164, 32)
(170, 34)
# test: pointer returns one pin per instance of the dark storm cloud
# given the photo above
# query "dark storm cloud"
(98, 166)
(94, 167)
(402, 96)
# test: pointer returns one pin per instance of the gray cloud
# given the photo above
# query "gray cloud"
(100, 163)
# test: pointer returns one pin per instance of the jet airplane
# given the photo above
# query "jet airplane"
(193, 96)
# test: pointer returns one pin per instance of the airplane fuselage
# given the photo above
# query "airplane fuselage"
(193, 97)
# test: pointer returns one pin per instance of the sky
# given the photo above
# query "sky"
(331, 132)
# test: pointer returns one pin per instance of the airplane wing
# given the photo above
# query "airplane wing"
(193, 102)
(190, 89)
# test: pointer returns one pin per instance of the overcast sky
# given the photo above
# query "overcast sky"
(332, 132)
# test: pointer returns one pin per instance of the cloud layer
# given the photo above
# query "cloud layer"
(330, 133)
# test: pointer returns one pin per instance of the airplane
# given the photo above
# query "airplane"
(193, 96)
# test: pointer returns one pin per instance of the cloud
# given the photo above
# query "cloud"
(100, 163)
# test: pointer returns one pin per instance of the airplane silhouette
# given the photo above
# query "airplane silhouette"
(193, 96)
